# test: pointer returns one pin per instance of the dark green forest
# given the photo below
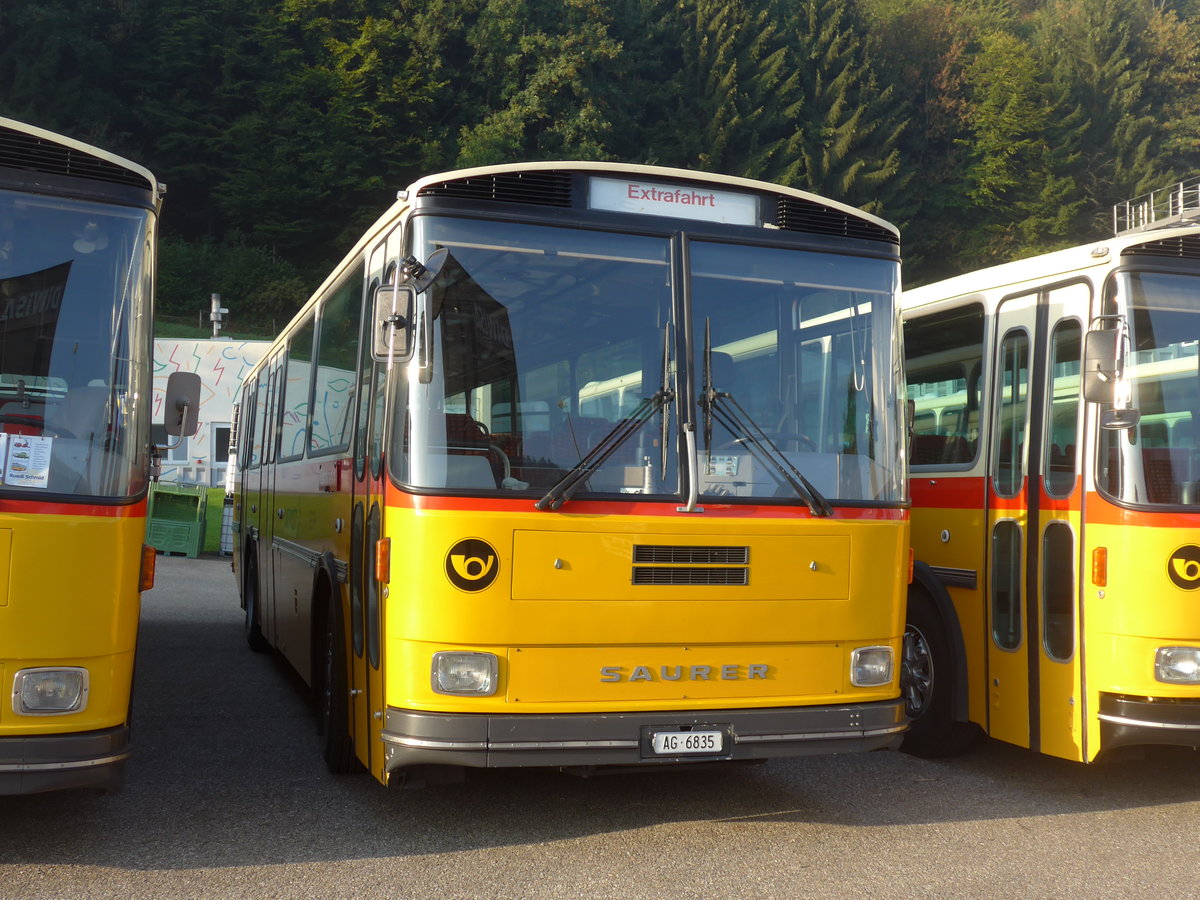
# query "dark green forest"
(985, 129)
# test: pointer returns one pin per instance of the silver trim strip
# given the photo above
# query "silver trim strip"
(817, 735)
(297, 550)
(58, 766)
(1143, 723)
(967, 578)
(422, 744)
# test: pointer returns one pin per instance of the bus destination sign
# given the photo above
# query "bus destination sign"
(679, 201)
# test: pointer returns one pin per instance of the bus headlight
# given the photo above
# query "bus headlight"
(50, 692)
(871, 666)
(473, 674)
(1177, 665)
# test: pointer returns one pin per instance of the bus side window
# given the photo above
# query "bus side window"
(943, 359)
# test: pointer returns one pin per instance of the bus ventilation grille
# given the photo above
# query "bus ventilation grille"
(534, 188)
(690, 575)
(794, 214)
(1186, 247)
(665, 554)
(31, 153)
(659, 564)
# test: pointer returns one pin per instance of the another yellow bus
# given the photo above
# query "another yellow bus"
(77, 239)
(577, 465)
(1055, 478)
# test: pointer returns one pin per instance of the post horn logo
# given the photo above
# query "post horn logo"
(472, 564)
(1184, 567)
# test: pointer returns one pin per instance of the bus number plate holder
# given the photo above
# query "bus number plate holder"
(694, 741)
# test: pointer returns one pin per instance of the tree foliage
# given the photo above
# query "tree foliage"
(984, 128)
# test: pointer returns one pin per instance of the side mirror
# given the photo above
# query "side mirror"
(393, 318)
(181, 412)
(1101, 365)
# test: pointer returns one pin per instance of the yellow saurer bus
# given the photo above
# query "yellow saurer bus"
(1055, 478)
(577, 465)
(77, 239)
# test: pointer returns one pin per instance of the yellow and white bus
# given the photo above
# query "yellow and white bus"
(610, 474)
(1055, 478)
(77, 239)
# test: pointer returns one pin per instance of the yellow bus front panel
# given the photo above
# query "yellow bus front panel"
(636, 639)
(68, 608)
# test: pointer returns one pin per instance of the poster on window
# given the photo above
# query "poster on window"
(28, 461)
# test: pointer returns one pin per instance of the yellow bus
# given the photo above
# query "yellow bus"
(1055, 479)
(581, 465)
(77, 239)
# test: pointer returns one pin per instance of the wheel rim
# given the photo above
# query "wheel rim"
(916, 672)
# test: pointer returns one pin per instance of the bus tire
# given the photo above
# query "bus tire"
(253, 623)
(333, 698)
(926, 685)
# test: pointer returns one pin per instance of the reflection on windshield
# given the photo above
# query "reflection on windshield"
(541, 337)
(70, 295)
(803, 342)
(1158, 460)
(545, 340)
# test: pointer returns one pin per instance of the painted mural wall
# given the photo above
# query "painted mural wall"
(221, 366)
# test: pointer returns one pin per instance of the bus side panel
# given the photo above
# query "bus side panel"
(947, 520)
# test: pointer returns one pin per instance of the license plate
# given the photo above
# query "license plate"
(677, 743)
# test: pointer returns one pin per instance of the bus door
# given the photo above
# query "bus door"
(366, 528)
(1033, 522)
(263, 503)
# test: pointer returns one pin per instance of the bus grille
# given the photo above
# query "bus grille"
(690, 575)
(667, 564)
(665, 554)
(537, 188)
(1185, 247)
(795, 214)
(31, 153)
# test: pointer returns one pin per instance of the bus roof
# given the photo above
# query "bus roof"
(649, 171)
(1040, 268)
(24, 146)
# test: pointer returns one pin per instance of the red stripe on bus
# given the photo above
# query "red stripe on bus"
(401, 500)
(87, 510)
(969, 492)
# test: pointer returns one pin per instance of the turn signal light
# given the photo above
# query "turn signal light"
(149, 558)
(1100, 567)
(383, 560)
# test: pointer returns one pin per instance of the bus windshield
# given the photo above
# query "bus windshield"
(542, 340)
(1158, 460)
(73, 343)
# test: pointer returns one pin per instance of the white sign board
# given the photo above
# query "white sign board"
(647, 198)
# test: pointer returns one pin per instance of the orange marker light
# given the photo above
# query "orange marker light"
(910, 564)
(149, 558)
(383, 560)
(1100, 567)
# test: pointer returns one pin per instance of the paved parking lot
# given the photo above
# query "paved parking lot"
(227, 796)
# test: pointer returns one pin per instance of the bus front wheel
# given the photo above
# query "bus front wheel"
(254, 635)
(926, 685)
(333, 713)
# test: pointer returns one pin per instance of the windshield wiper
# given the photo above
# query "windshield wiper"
(751, 434)
(605, 447)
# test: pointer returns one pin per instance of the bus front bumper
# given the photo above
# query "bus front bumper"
(628, 739)
(1131, 721)
(52, 762)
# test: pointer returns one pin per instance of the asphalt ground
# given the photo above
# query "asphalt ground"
(227, 796)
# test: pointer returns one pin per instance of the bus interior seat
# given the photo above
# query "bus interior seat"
(469, 471)
(21, 418)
